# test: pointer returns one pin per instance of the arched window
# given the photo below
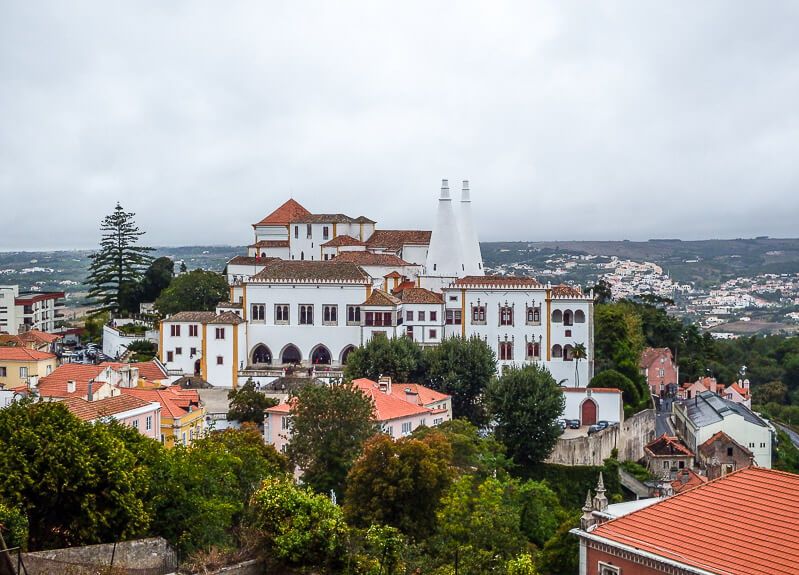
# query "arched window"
(533, 350)
(557, 351)
(302, 255)
(261, 355)
(346, 353)
(263, 254)
(579, 316)
(557, 316)
(320, 356)
(291, 354)
(568, 317)
(568, 352)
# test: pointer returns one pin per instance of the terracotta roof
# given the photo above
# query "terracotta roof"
(92, 410)
(566, 291)
(497, 281)
(393, 275)
(149, 370)
(363, 220)
(270, 244)
(323, 219)
(381, 298)
(192, 317)
(249, 261)
(175, 402)
(687, 479)
(707, 449)
(39, 337)
(329, 271)
(387, 407)
(665, 445)
(285, 214)
(650, 354)
(227, 318)
(395, 239)
(425, 395)
(8, 353)
(371, 259)
(420, 295)
(759, 504)
(343, 240)
(230, 304)
(743, 392)
(55, 384)
(403, 286)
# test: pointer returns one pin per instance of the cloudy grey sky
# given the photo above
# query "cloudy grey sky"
(573, 120)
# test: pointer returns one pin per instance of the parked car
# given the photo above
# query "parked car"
(603, 424)
(573, 423)
(596, 428)
(563, 423)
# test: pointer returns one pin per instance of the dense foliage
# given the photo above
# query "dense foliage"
(247, 404)
(198, 290)
(399, 358)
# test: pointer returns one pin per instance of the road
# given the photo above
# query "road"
(790, 432)
(662, 422)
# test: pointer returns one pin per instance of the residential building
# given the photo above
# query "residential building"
(143, 416)
(686, 479)
(70, 380)
(660, 370)
(590, 405)
(32, 339)
(690, 390)
(680, 535)
(21, 366)
(738, 392)
(721, 455)
(21, 312)
(666, 456)
(182, 413)
(399, 408)
(698, 419)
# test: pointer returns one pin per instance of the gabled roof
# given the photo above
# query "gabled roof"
(9, 353)
(759, 504)
(424, 395)
(395, 239)
(651, 354)
(227, 318)
(387, 407)
(381, 298)
(565, 291)
(667, 446)
(285, 214)
(707, 408)
(322, 219)
(191, 317)
(310, 271)
(707, 447)
(249, 260)
(175, 402)
(363, 220)
(93, 410)
(687, 479)
(420, 295)
(270, 244)
(38, 337)
(497, 281)
(55, 384)
(343, 240)
(371, 259)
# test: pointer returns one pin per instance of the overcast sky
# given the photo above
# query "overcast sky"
(573, 120)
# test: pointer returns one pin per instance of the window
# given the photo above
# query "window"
(409, 332)
(479, 314)
(453, 298)
(285, 422)
(557, 351)
(438, 421)
(433, 334)
(193, 352)
(420, 315)
(533, 350)
(3, 372)
(506, 315)
(579, 317)
(178, 351)
(568, 317)
(353, 315)
(220, 333)
(258, 312)
(23, 372)
(665, 465)
(220, 360)
(408, 316)
(192, 330)
(433, 315)
(605, 569)
(330, 314)
(296, 232)
(406, 428)
(557, 316)
(681, 464)
(377, 318)
(661, 372)
(306, 315)
(568, 353)
(453, 317)
(174, 330)
(135, 423)
(389, 429)
(281, 313)
(506, 350)
(169, 356)
(148, 423)
(325, 232)
(308, 231)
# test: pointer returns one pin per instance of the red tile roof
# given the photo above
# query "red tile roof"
(566, 291)
(667, 446)
(758, 506)
(388, 407)
(650, 354)
(30, 298)
(285, 214)
(175, 401)
(292, 271)
(687, 479)
(381, 298)
(92, 410)
(371, 259)
(395, 239)
(425, 395)
(497, 281)
(270, 244)
(39, 337)
(420, 295)
(55, 384)
(8, 353)
(403, 286)
(343, 240)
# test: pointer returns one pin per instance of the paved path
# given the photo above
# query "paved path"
(790, 432)
(662, 421)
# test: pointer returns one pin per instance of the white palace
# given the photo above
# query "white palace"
(313, 287)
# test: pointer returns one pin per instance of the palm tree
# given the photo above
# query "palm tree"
(578, 354)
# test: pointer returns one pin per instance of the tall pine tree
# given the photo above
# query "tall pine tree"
(117, 267)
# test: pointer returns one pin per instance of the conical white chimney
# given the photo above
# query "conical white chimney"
(444, 257)
(470, 245)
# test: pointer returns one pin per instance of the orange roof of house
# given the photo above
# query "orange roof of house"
(149, 370)
(759, 504)
(92, 410)
(55, 384)
(650, 354)
(667, 446)
(371, 259)
(175, 401)
(425, 395)
(285, 214)
(23, 354)
(395, 239)
(687, 479)
(388, 407)
(407, 284)
(497, 281)
(381, 298)
(420, 295)
(343, 240)
(743, 392)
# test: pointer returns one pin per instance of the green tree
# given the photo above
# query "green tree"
(522, 565)
(76, 482)
(602, 292)
(248, 404)
(613, 379)
(117, 267)
(13, 527)
(462, 368)
(195, 291)
(524, 404)
(399, 358)
(472, 453)
(142, 349)
(94, 326)
(183, 269)
(329, 427)
(561, 554)
(578, 354)
(541, 512)
(387, 483)
(157, 278)
(299, 526)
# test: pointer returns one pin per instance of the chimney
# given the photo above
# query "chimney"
(411, 396)
(444, 189)
(465, 195)
(384, 384)
(90, 392)
(71, 386)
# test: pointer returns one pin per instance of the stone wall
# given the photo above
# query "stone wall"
(629, 439)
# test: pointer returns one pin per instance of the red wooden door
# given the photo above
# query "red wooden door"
(588, 412)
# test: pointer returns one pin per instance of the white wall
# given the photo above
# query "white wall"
(185, 361)
(609, 405)
(115, 343)
(754, 437)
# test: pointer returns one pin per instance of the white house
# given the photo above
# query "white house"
(21, 312)
(590, 405)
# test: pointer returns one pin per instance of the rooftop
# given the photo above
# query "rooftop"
(343, 240)
(326, 271)
(175, 402)
(763, 522)
(192, 316)
(497, 281)
(381, 298)
(16, 353)
(371, 259)
(650, 354)
(395, 239)
(420, 295)
(92, 410)
(707, 408)
(284, 215)
(667, 446)
(55, 384)
(149, 370)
